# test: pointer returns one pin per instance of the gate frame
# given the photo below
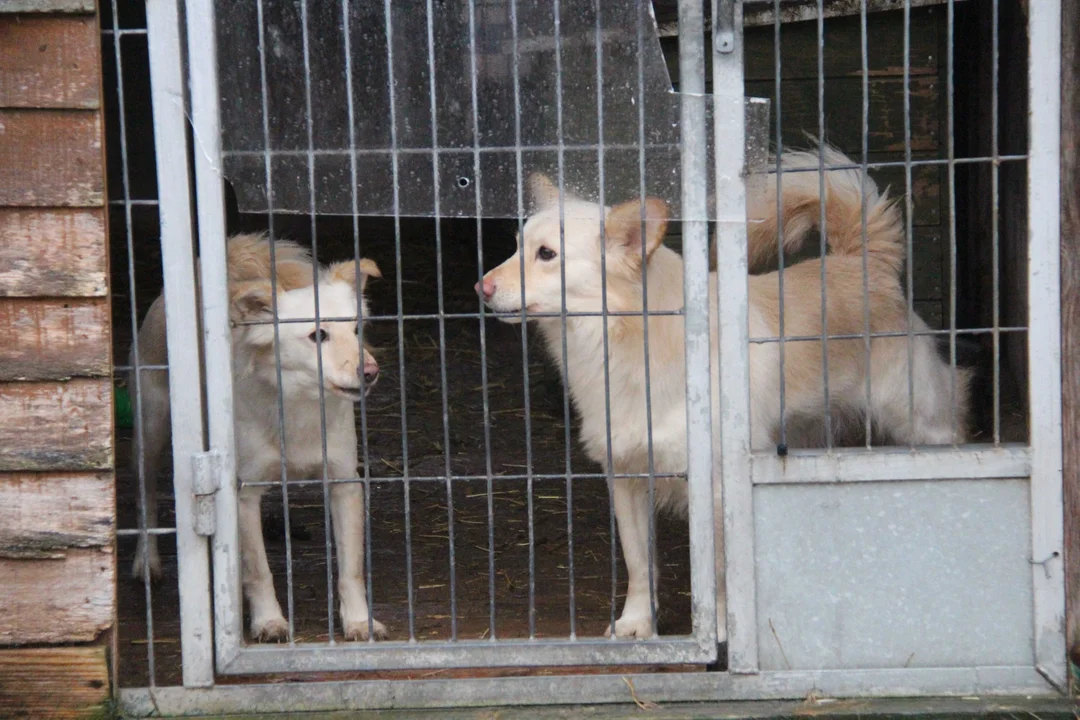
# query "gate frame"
(1043, 461)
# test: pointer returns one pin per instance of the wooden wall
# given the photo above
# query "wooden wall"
(1070, 311)
(57, 505)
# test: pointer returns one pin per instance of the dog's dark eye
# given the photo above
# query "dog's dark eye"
(545, 253)
(319, 336)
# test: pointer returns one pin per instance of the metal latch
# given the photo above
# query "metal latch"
(205, 472)
(724, 26)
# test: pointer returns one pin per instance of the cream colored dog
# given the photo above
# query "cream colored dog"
(347, 373)
(626, 244)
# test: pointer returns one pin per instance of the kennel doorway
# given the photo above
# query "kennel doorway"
(929, 489)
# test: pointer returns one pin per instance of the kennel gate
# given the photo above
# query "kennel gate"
(773, 502)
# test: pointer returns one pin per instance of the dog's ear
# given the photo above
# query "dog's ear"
(543, 192)
(251, 300)
(345, 271)
(624, 225)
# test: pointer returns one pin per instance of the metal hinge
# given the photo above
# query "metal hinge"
(724, 27)
(206, 473)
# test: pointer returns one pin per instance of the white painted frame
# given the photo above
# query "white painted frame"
(163, 24)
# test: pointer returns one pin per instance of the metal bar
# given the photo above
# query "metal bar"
(144, 519)
(563, 315)
(462, 653)
(909, 212)
(734, 494)
(365, 450)
(448, 470)
(779, 114)
(649, 447)
(178, 268)
(864, 54)
(893, 464)
(430, 693)
(822, 228)
(327, 516)
(205, 120)
(950, 125)
(699, 430)
(264, 88)
(524, 325)
(986, 464)
(995, 230)
(129, 532)
(922, 162)
(1044, 340)
(477, 180)
(387, 11)
(609, 466)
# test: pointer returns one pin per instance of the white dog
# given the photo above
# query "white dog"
(347, 371)
(625, 244)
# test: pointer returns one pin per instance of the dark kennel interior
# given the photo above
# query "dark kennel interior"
(572, 527)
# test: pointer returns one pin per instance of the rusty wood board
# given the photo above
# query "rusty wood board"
(53, 252)
(70, 682)
(50, 62)
(56, 426)
(47, 6)
(843, 112)
(44, 515)
(50, 158)
(54, 339)
(1070, 309)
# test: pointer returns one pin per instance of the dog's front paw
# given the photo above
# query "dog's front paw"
(634, 626)
(272, 629)
(363, 629)
(146, 553)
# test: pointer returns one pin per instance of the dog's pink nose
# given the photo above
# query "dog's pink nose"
(371, 371)
(485, 288)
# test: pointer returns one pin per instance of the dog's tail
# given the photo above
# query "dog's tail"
(800, 208)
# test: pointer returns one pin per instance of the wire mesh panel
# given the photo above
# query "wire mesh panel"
(464, 334)
(333, 138)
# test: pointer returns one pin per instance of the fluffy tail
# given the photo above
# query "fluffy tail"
(801, 211)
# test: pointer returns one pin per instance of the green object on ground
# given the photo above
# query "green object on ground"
(122, 408)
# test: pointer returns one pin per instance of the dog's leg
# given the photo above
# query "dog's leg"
(632, 515)
(267, 622)
(347, 511)
(150, 438)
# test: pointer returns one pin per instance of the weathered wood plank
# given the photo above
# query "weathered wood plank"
(50, 62)
(53, 252)
(47, 6)
(843, 112)
(54, 339)
(1070, 310)
(56, 426)
(58, 601)
(71, 682)
(50, 158)
(44, 515)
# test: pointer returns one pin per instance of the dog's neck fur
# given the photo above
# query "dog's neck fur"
(626, 357)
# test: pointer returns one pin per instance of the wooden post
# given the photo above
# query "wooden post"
(1070, 311)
